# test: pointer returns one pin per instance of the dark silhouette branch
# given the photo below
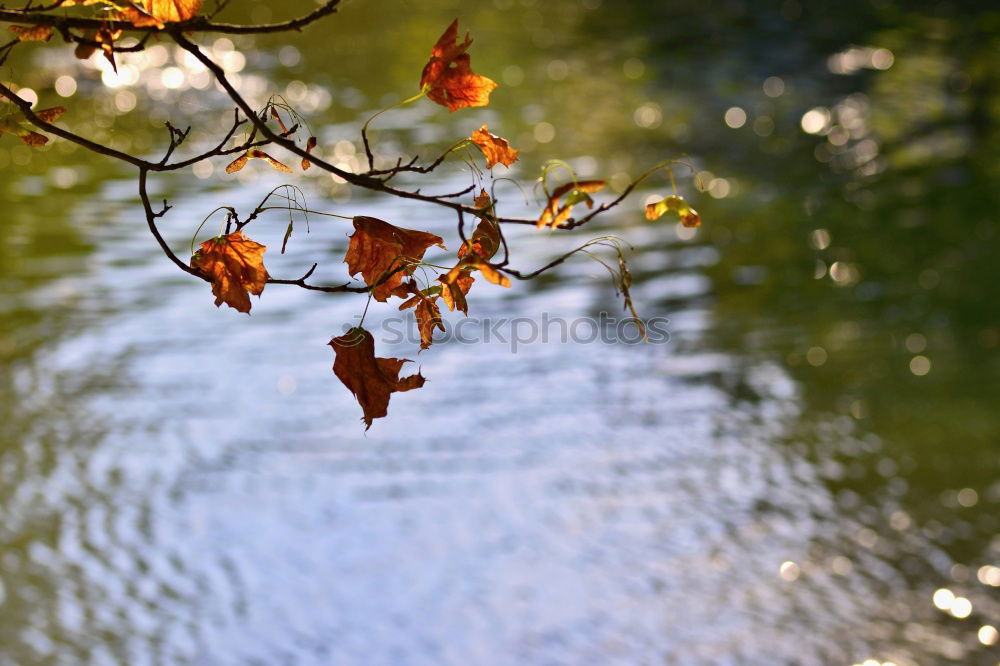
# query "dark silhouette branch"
(40, 16)
(261, 134)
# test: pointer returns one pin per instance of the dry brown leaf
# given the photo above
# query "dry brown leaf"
(448, 76)
(372, 380)
(483, 201)
(379, 250)
(105, 38)
(235, 264)
(255, 154)
(33, 139)
(238, 163)
(51, 114)
(32, 33)
(485, 240)
(84, 51)
(18, 125)
(261, 155)
(427, 312)
(428, 316)
(310, 145)
(495, 149)
(555, 213)
(489, 272)
(455, 284)
(281, 123)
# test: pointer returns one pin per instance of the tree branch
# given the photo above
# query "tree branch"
(39, 16)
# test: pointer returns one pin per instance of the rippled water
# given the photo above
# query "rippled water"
(181, 484)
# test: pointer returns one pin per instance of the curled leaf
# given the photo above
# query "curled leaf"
(242, 160)
(384, 253)
(624, 286)
(428, 316)
(556, 212)
(310, 145)
(455, 284)
(448, 77)
(489, 272)
(427, 312)
(495, 149)
(84, 51)
(235, 265)
(485, 240)
(372, 380)
(674, 203)
(483, 201)
(32, 33)
(104, 39)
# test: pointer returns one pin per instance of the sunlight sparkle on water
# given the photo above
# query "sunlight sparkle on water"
(961, 608)
(989, 575)
(815, 120)
(65, 86)
(920, 365)
(790, 571)
(944, 598)
(735, 117)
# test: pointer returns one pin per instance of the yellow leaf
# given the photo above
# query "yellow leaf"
(555, 214)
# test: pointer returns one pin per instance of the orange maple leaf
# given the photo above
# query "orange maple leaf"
(495, 149)
(448, 77)
(372, 380)
(235, 264)
(556, 212)
(383, 253)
